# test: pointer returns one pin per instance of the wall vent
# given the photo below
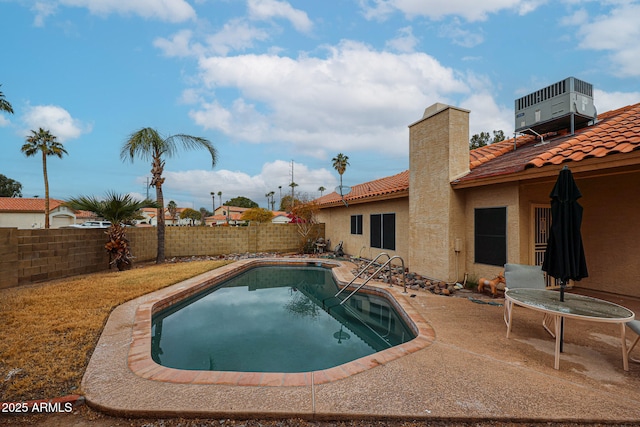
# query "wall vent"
(567, 104)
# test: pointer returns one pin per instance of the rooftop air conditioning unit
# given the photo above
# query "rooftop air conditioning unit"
(567, 104)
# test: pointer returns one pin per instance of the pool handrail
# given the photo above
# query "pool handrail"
(362, 271)
(404, 278)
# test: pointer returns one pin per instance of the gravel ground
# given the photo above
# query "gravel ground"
(84, 416)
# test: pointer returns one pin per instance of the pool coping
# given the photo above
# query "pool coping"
(140, 362)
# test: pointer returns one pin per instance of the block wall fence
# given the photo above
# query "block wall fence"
(29, 256)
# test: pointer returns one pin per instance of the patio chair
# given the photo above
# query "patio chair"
(634, 325)
(525, 276)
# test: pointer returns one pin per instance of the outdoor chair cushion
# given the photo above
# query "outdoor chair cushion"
(523, 276)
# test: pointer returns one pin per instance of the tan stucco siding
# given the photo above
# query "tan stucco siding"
(610, 230)
(506, 195)
(338, 227)
(439, 153)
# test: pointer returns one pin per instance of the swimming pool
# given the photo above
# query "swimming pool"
(274, 319)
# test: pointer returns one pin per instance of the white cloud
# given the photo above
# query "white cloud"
(607, 101)
(235, 35)
(179, 45)
(164, 10)
(4, 121)
(196, 185)
(405, 42)
(470, 10)
(354, 97)
(618, 32)
(460, 34)
(267, 9)
(42, 10)
(486, 115)
(55, 119)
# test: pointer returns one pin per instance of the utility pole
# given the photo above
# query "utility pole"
(292, 185)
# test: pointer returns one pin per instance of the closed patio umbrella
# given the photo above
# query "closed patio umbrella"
(564, 258)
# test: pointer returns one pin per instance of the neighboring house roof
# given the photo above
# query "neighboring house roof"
(85, 215)
(615, 132)
(233, 216)
(384, 188)
(19, 204)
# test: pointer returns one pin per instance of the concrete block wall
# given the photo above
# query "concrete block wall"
(8, 257)
(39, 255)
(29, 256)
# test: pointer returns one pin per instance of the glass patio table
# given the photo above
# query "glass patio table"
(574, 306)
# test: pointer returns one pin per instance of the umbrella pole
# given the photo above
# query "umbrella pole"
(561, 318)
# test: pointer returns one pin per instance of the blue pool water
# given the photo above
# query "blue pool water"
(274, 319)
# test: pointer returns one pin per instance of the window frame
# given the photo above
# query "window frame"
(383, 231)
(490, 235)
(356, 224)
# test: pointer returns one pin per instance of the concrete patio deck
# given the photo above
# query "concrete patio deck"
(467, 370)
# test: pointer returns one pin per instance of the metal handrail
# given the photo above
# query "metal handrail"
(363, 270)
(404, 278)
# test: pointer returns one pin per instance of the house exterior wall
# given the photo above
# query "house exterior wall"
(504, 195)
(611, 239)
(610, 232)
(337, 223)
(58, 217)
(439, 153)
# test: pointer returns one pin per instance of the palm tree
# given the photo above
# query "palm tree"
(4, 104)
(148, 144)
(340, 163)
(172, 207)
(220, 196)
(321, 189)
(42, 141)
(120, 210)
(269, 197)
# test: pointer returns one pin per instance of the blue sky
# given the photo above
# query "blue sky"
(274, 83)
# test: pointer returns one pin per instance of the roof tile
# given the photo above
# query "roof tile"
(19, 204)
(384, 186)
(616, 131)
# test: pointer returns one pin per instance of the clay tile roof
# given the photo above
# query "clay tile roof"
(396, 185)
(616, 131)
(19, 204)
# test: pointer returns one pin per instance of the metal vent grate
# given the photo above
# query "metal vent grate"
(557, 106)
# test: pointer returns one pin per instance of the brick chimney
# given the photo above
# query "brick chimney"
(438, 154)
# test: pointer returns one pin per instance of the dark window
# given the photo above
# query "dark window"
(490, 232)
(383, 231)
(356, 224)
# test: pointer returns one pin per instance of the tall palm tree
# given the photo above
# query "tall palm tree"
(46, 143)
(148, 144)
(120, 210)
(220, 196)
(340, 163)
(172, 207)
(4, 104)
(321, 189)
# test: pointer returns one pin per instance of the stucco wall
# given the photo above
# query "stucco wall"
(439, 153)
(610, 230)
(337, 223)
(59, 217)
(505, 195)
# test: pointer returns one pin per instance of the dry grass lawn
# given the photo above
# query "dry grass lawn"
(48, 331)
